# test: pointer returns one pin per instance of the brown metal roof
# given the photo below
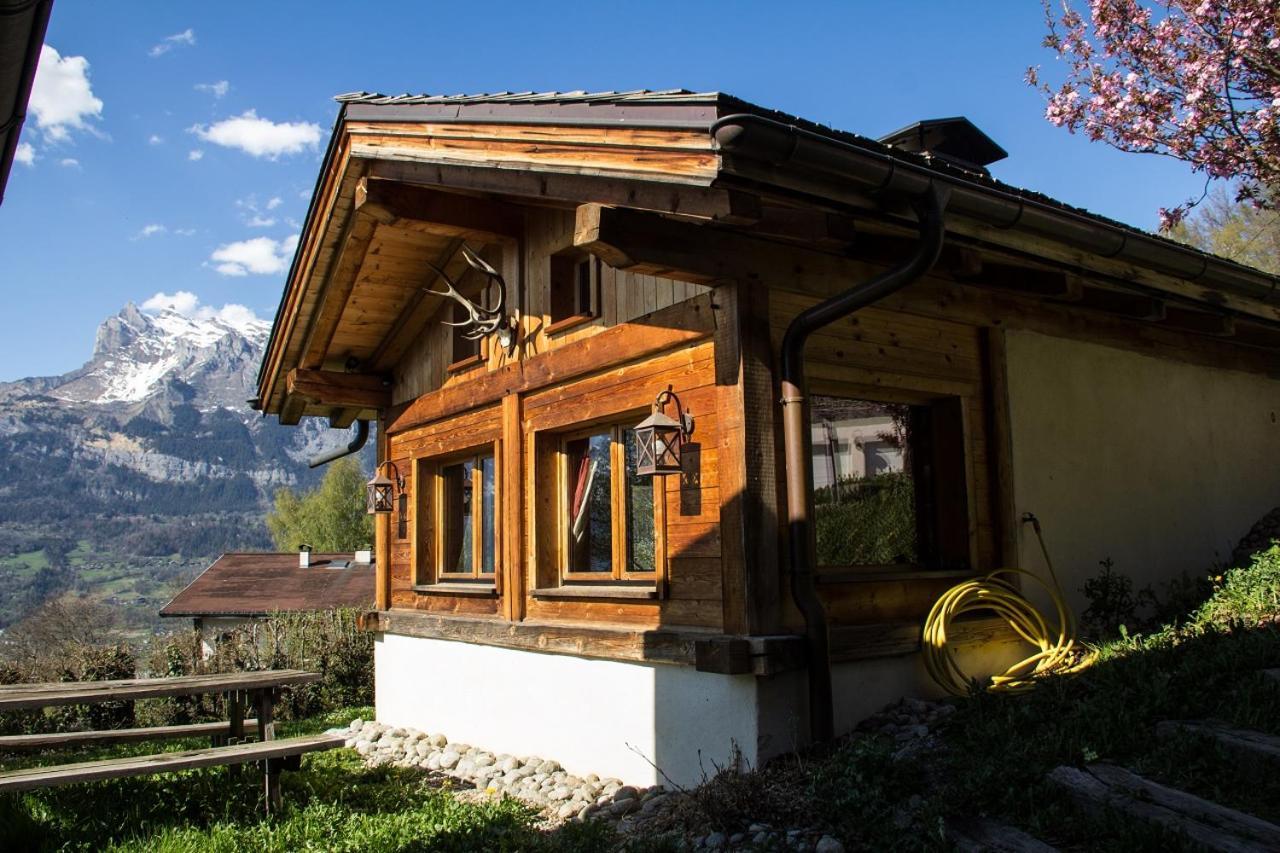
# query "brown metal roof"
(255, 584)
(22, 28)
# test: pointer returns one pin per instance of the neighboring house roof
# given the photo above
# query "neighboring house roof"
(22, 28)
(256, 584)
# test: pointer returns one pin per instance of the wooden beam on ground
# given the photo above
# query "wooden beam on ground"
(329, 387)
(678, 325)
(335, 290)
(982, 835)
(724, 205)
(54, 740)
(430, 211)
(1208, 824)
(1242, 742)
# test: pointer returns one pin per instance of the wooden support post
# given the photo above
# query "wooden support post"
(512, 496)
(382, 533)
(266, 700)
(746, 409)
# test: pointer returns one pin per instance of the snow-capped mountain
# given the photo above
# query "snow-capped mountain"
(155, 422)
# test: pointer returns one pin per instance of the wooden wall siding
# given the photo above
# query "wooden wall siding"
(693, 593)
(478, 428)
(895, 356)
(623, 297)
(655, 154)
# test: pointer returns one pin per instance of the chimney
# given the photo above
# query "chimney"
(956, 141)
(304, 556)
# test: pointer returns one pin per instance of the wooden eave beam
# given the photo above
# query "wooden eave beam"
(342, 390)
(336, 288)
(418, 310)
(1199, 322)
(429, 211)
(731, 206)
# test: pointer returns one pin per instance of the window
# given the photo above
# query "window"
(459, 538)
(610, 523)
(889, 483)
(574, 289)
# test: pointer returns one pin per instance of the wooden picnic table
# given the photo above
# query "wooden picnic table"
(258, 690)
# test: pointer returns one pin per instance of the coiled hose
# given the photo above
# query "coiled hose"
(1060, 651)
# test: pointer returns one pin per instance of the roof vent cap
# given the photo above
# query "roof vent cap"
(954, 140)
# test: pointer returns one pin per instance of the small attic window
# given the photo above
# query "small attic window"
(574, 296)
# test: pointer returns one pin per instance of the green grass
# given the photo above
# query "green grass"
(334, 803)
(25, 564)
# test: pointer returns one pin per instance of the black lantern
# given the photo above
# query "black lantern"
(659, 438)
(380, 491)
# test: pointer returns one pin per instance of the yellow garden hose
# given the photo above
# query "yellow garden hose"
(1060, 652)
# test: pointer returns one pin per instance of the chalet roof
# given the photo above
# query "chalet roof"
(256, 584)
(20, 40)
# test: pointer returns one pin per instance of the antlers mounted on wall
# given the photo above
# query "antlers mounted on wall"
(482, 320)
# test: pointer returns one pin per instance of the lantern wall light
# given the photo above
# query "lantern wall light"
(659, 438)
(380, 491)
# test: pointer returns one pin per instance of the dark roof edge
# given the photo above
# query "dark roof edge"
(11, 125)
(875, 169)
(307, 223)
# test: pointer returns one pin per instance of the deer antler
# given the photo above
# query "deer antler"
(484, 320)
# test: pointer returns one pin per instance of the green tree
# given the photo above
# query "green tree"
(1238, 230)
(330, 517)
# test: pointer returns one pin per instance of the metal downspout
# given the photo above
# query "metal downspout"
(356, 443)
(798, 443)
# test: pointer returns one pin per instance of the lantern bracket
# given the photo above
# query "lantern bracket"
(685, 419)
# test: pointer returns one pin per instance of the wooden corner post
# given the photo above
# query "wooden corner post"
(746, 408)
(382, 531)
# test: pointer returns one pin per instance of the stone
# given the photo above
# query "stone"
(548, 767)
(461, 748)
(438, 741)
(449, 760)
(423, 749)
(465, 766)
(736, 839)
(714, 841)
(626, 792)
(356, 725)
(760, 839)
(828, 844)
(508, 763)
(572, 781)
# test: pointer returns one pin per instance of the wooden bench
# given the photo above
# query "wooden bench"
(216, 731)
(165, 762)
(258, 690)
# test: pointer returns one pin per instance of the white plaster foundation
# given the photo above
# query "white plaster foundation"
(644, 723)
(611, 718)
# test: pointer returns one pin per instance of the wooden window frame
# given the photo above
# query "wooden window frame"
(580, 314)
(560, 480)
(429, 531)
(949, 506)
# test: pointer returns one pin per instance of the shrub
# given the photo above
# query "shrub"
(1248, 597)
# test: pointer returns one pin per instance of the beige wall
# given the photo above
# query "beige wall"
(1159, 465)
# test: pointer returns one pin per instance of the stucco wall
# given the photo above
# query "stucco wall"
(606, 717)
(1159, 465)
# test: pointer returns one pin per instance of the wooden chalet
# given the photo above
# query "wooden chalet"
(536, 594)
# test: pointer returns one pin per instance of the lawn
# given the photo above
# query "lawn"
(334, 803)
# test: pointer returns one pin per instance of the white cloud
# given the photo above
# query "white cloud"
(255, 215)
(153, 139)
(69, 163)
(188, 304)
(195, 154)
(274, 202)
(61, 96)
(256, 256)
(150, 231)
(184, 232)
(217, 89)
(260, 137)
(186, 38)
(260, 221)
(26, 154)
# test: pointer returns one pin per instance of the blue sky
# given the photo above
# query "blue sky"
(114, 206)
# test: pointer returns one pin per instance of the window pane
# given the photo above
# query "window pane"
(589, 487)
(486, 515)
(455, 517)
(863, 488)
(641, 546)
